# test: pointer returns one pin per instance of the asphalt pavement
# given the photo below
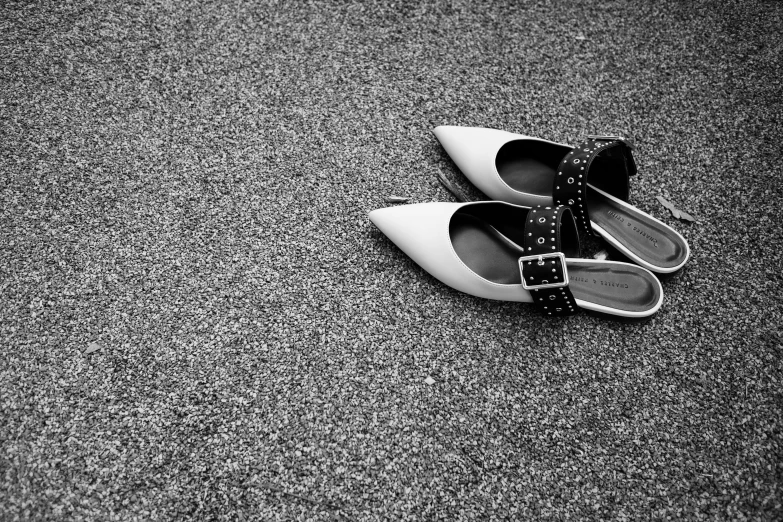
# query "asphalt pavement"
(198, 321)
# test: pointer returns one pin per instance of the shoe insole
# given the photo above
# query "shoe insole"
(643, 236)
(494, 257)
(529, 166)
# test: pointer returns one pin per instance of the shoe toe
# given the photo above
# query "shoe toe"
(419, 230)
(422, 232)
(473, 149)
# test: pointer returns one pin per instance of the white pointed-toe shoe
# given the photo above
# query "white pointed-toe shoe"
(531, 171)
(507, 252)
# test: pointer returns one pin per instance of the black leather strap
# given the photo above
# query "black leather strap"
(608, 160)
(543, 269)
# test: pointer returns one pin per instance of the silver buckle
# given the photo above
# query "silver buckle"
(629, 142)
(544, 283)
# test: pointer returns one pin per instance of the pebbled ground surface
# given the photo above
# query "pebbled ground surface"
(197, 319)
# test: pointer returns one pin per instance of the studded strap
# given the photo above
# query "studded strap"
(608, 159)
(543, 268)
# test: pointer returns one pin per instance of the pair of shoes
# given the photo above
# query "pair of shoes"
(525, 246)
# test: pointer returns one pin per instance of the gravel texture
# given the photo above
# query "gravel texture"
(197, 319)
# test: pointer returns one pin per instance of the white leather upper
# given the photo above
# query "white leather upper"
(422, 232)
(475, 149)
